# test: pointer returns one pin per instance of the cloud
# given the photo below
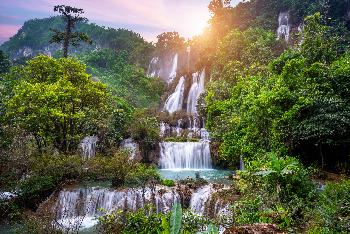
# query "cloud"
(6, 31)
(147, 17)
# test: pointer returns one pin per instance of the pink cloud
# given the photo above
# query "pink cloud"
(7, 30)
(164, 15)
(141, 12)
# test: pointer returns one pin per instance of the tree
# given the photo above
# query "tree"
(221, 20)
(4, 63)
(169, 41)
(56, 102)
(71, 16)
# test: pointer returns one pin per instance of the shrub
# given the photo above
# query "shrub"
(333, 209)
(142, 175)
(192, 223)
(58, 167)
(33, 224)
(285, 177)
(285, 192)
(122, 170)
(10, 210)
(35, 188)
(143, 221)
(168, 183)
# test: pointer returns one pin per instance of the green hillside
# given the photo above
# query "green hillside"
(34, 38)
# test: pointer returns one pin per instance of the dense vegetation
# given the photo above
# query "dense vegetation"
(36, 35)
(282, 106)
(291, 104)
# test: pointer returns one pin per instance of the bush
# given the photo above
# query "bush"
(58, 167)
(333, 209)
(142, 175)
(10, 210)
(122, 170)
(285, 177)
(33, 224)
(168, 183)
(35, 188)
(143, 221)
(285, 192)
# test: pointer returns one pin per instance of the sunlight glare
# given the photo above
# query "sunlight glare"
(196, 24)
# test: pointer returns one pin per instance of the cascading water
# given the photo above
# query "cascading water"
(284, 27)
(88, 146)
(81, 206)
(185, 155)
(196, 90)
(130, 145)
(152, 68)
(175, 100)
(241, 163)
(199, 198)
(173, 71)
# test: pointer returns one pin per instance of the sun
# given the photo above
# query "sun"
(195, 24)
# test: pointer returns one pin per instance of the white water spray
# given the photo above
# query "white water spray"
(173, 71)
(175, 100)
(80, 207)
(185, 155)
(196, 90)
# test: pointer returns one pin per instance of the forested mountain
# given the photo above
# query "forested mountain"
(118, 57)
(35, 35)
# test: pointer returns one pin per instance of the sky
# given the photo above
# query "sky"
(147, 17)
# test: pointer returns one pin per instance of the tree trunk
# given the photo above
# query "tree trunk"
(67, 37)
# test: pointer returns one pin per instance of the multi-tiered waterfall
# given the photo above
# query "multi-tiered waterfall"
(79, 207)
(185, 155)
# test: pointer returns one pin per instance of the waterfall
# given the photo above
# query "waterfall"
(199, 198)
(196, 90)
(178, 128)
(5, 196)
(185, 155)
(152, 68)
(284, 27)
(173, 73)
(175, 100)
(88, 146)
(241, 163)
(131, 146)
(169, 131)
(80, 207)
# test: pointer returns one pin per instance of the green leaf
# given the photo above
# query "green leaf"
(176, 219)
(264, 173)
(165, 226)
(212, 229)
